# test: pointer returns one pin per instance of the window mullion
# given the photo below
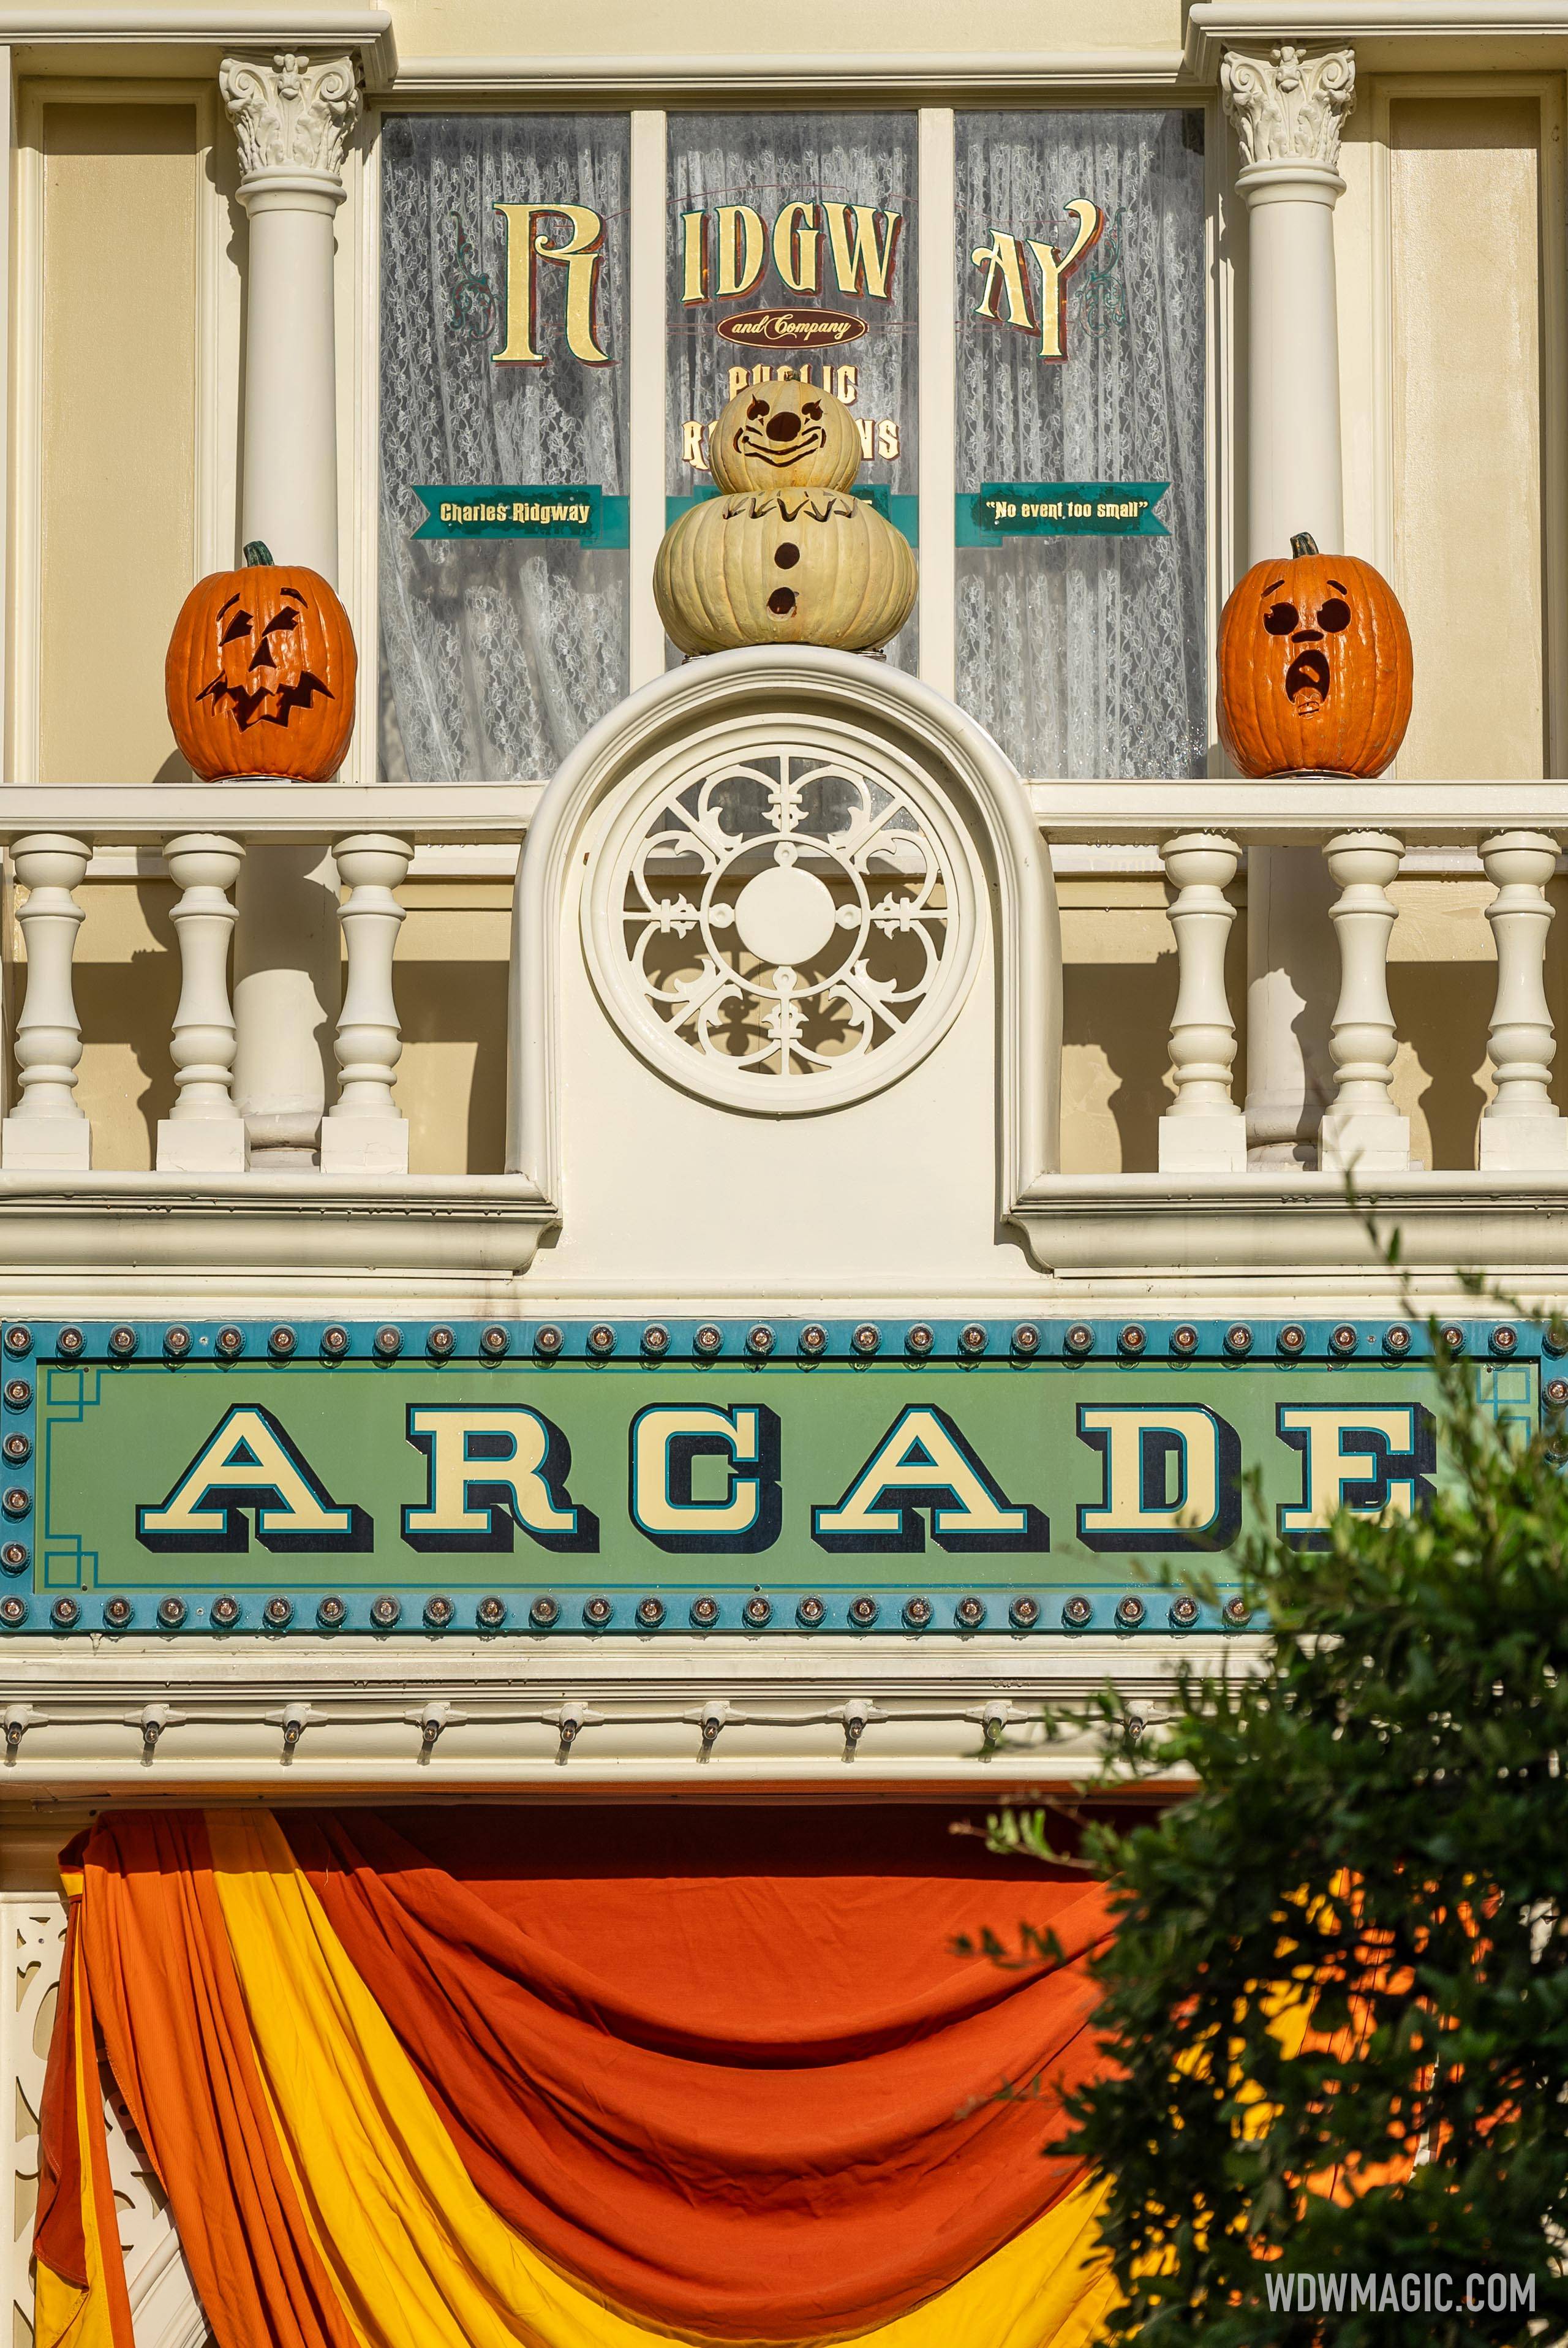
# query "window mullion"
(645, 387)
(938, 210)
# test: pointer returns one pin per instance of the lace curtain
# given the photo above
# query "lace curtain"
(768, 161)
(496, 654)
(1086, 656)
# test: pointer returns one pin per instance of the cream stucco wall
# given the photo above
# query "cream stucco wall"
(708, 28)
(1464, 388)
(117, 402)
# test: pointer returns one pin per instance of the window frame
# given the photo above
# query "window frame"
(646, 359)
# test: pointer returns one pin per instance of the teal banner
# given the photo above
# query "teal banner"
(523, 510)
(1060, 509)
(903, 512)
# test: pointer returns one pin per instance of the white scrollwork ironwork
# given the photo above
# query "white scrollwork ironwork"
(165, 2310)
(784, 925)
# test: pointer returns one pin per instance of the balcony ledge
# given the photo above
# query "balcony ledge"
(1299, 1228)
(353, 1236)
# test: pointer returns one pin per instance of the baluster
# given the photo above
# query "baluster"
(1520, 1129)
(1363, 1132)
(365, 1131)
(47, 1133)
(1202, 1131)
(203, 1133)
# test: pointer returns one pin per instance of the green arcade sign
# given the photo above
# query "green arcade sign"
(655, 1477)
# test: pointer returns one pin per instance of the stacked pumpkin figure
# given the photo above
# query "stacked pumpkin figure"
(787, 556)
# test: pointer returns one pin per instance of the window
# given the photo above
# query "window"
(792, 246)
(504, 573)
(792, 249)
(1082, 572)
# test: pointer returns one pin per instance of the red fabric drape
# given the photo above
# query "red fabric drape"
(58, 2229)
(179, 2044)
(723, 2067)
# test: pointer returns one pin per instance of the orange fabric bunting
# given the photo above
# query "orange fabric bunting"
(742, 2087)
(742, 2091)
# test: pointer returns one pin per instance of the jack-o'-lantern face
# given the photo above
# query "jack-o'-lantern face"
(1314, 666)
(261, 674)
(785, 435)
(1309, 678)
(264, 676)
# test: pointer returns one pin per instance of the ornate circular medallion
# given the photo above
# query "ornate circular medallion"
(783, 922)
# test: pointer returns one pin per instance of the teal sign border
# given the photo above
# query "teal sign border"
(526, 509)
(982, 516)
(50, 1582)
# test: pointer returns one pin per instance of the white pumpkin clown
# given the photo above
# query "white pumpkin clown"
(787, 556)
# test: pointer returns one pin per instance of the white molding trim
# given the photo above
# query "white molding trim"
(345, 1236)
(785, 1701)
(833, 75)
(1259, 1235)
(769, 686)
(1385, 33)
(141, 37)
(1108, 813)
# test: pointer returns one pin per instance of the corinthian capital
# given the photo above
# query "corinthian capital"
(291, 115)
(1289, 106)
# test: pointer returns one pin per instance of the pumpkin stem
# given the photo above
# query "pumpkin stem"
(256, 554)
(1303, 542)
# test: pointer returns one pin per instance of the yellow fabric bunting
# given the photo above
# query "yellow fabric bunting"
(417, 2257)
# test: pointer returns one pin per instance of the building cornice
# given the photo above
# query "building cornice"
(1387, 35)
(831, 74)
(160, 40)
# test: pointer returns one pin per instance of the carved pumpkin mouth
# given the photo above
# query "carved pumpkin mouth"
(1306, 683)
(248, 706)
(805, 443)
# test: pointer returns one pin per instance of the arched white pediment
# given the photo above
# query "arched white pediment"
(932, 838)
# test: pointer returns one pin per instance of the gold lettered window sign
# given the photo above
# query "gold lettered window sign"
(1078, 290)
(504, 589)
(792, 252)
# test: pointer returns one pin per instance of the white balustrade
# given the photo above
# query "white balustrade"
(1520, 1128)
(203, 1133)
(1362, 1132)
(48, 1132)
(365, 1131)
(1202, 1131)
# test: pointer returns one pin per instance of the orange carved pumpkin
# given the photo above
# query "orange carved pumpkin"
(260, 675)
(1315, 667)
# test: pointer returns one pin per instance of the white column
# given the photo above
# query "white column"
(292, 120)
(46, 1132)
(1202, 1131)
(1287, 106)
(203, 1134)
(365, 1131)
(1520, 1129)
(1362, 1132)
